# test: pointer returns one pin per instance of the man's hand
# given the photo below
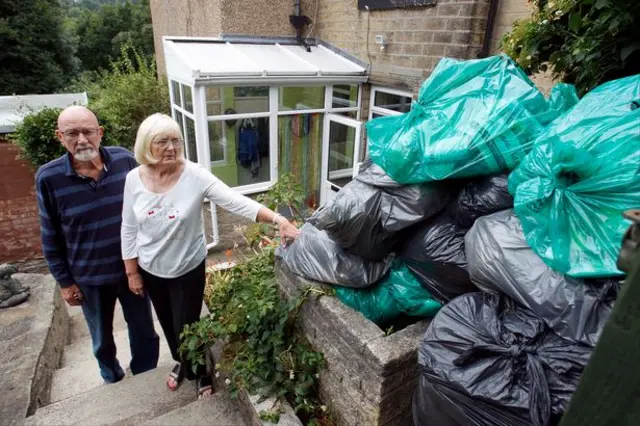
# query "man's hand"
(72, 295)
(136, 286)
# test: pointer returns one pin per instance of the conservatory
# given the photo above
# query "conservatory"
(255, 109)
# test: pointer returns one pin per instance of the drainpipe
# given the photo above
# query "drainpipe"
(488, 34)
(299, 21)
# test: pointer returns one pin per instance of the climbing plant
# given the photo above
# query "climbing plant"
(263, 352)
(584, 42)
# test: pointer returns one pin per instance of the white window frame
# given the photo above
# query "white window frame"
(202, 120)
(384, 111)
(178, 106)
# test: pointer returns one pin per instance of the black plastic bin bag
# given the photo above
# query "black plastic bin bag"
(316, 257)
(500, 261)
(487, 361)
(434, 251)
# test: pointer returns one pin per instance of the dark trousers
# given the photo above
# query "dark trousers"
(178, 302)
(98, 308)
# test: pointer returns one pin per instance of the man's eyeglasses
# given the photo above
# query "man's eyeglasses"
(74, 134)
(164, 143)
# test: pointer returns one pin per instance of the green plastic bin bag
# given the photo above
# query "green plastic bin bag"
(398, 293)
(472, 118)
(571, 189)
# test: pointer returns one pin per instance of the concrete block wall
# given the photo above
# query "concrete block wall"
(19, 222)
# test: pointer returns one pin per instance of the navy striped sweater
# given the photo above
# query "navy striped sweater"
(80, 219)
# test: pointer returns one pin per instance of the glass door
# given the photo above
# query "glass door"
(340, 154)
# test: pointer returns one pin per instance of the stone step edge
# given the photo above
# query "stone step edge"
(252, 405)
(50, 354)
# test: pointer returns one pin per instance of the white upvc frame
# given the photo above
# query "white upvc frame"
(325, 184)
(384, 111)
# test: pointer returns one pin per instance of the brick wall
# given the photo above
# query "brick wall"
(19, 225)
(417, 37)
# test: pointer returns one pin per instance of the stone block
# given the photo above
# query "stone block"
(370, 377)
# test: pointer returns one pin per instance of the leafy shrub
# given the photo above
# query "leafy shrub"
(127, 94)
(263, 352)
(36, 137)
(584, 42)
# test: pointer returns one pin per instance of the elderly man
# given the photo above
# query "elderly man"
(80, 202)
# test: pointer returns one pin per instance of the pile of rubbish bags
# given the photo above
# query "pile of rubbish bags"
(498, 212)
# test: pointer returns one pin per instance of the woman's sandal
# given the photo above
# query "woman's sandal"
(204, 385)
(176, 374)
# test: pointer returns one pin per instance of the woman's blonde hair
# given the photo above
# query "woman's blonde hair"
(155, 127)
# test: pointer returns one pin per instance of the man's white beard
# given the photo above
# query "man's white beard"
(86, 154)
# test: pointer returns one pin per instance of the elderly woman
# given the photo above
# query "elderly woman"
(163, 244)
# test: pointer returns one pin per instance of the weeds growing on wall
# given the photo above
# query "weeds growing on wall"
(584, 42)
(264, 353)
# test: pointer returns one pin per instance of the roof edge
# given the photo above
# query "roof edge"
(283, 40)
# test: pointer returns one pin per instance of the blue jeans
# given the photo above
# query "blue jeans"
(98, 307)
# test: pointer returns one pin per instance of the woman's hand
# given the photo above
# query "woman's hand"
(136, 286)
(288, 231)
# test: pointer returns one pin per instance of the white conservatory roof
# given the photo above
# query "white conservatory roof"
(200, 60)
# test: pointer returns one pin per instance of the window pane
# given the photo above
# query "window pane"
(345, 96)
(300, 138)
(214, 101)
(188, 98)
(376, 115)
(217, 141)
(175, 87)
(245, 100)
(192, 152)
(241, 149)
(300, 98)
(178, 116)
(237, 100)
(392, 102)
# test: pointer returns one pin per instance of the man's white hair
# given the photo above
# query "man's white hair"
(155, 127)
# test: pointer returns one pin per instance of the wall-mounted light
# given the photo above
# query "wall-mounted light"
(382, 41)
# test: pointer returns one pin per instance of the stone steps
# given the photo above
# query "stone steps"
(220, 410)
(131, 401)
(78, 396)
(79, 371)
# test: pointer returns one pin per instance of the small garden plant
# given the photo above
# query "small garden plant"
(263, 352)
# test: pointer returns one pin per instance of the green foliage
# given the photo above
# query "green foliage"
(584, 42)
(127, 94)
(36, 137)
(36, 56)
(103, 31)
(121, 99)
(264, 354)
(285, 193)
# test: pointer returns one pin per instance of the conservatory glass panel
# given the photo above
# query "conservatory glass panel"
(301, 98)
(300, 152)
(175, 88)
(192, 151)
(240, 153)
(214, 101)
(345, 96)
(237, 100)
(188, 98)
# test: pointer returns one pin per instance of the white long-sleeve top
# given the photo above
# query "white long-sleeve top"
(165, 231)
